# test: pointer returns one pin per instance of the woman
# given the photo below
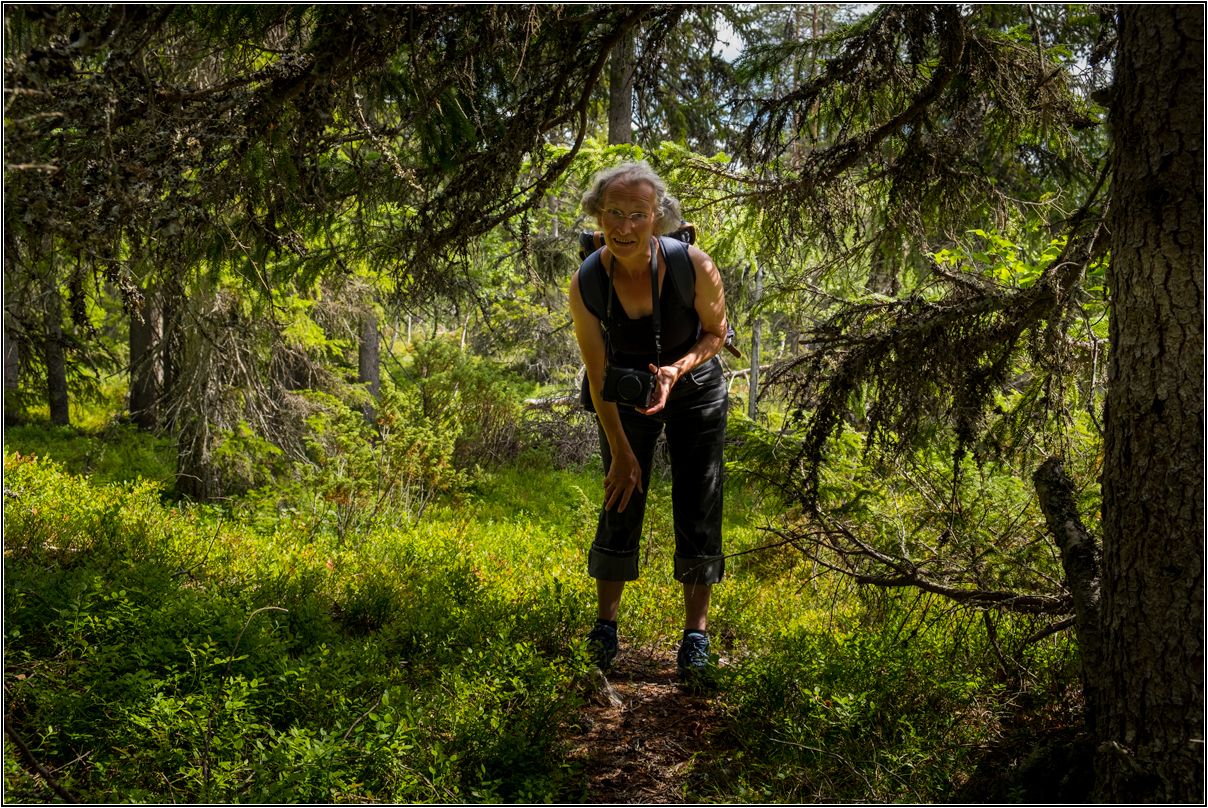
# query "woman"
(612, 304)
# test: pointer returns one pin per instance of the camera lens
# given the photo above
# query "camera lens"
(629, 388)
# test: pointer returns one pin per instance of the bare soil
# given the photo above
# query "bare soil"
(638, 735)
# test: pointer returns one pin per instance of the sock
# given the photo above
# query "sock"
(602, 622)
(701, 632)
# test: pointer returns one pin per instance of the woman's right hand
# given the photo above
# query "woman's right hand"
(624, 472)
(623, 478)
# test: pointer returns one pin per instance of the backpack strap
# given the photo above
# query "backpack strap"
(593, 282)
(593, 285)
(683, 273)
(679, 263)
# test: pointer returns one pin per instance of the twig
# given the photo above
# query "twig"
(63, 793)
(205, 555)
(992, 635)
(51, 169)
(1047, 631)
(855, 770)
(364, 715)
(205, 759)
(787, 540)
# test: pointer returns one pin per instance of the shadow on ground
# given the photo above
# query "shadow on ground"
(636, 738)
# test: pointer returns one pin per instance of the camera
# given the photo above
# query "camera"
(632, 388)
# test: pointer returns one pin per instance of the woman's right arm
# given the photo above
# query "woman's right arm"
(625, 474)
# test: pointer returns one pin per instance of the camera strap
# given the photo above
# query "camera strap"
(654, 296)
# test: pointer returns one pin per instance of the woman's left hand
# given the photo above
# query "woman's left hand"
(664, 379)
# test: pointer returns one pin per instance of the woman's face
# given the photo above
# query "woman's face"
(627, 219)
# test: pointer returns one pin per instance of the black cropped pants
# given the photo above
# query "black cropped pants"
(695, 421)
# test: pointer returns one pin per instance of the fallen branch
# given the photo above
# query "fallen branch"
(903, 572)
(63, 793)
(551, 402)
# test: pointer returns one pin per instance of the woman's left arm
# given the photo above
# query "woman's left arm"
(711, 308)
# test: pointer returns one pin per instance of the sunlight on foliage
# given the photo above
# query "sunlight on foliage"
(203, 652)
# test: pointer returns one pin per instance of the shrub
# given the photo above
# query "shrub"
(159, 654)
(563, 434)
(888, 712)
(470, 393)
(359, 476)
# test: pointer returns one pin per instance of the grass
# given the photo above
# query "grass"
(158, 653)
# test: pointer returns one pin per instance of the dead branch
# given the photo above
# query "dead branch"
(33, 763)
(837, 548)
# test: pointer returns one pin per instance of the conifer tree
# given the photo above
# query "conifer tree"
(935, 120)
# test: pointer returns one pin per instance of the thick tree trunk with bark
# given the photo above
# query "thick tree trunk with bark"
(620, 91)
(146, 374)
(1153, 517)
(56, 356)
(369, 367)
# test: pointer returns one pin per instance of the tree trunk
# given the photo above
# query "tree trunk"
(171, 301)
(369, 369)
(145, 370)
(887, 257)
(753, 402)
(12, 370)
(56, 355)
(620, 91)
(1080, 561)
(1153, 518)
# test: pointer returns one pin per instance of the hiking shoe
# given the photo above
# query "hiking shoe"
(602, 644)
(692, 661)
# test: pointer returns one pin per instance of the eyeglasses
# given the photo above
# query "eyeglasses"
(620, 216)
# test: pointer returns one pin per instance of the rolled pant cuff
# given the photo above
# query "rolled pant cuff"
(706, 570)
(608, 566)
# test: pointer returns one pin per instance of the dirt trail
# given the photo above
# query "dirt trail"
(638, 734)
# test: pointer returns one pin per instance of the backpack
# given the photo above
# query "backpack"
(675, 247)
(679, 264)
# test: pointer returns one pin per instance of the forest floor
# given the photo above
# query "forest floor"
(640, 731)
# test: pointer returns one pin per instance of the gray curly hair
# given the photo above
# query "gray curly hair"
(666, 207)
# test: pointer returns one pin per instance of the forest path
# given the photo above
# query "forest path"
(640, 730)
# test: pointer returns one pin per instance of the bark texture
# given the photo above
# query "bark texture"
(1152, 596)
(146, 373)
(1080, 560)
(12, 360)
(620, 91)
(56, 356)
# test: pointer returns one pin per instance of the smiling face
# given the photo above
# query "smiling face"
(627, 217)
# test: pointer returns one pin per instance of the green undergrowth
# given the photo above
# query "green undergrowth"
(108, 452)
(158, 651)
(898, 711)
